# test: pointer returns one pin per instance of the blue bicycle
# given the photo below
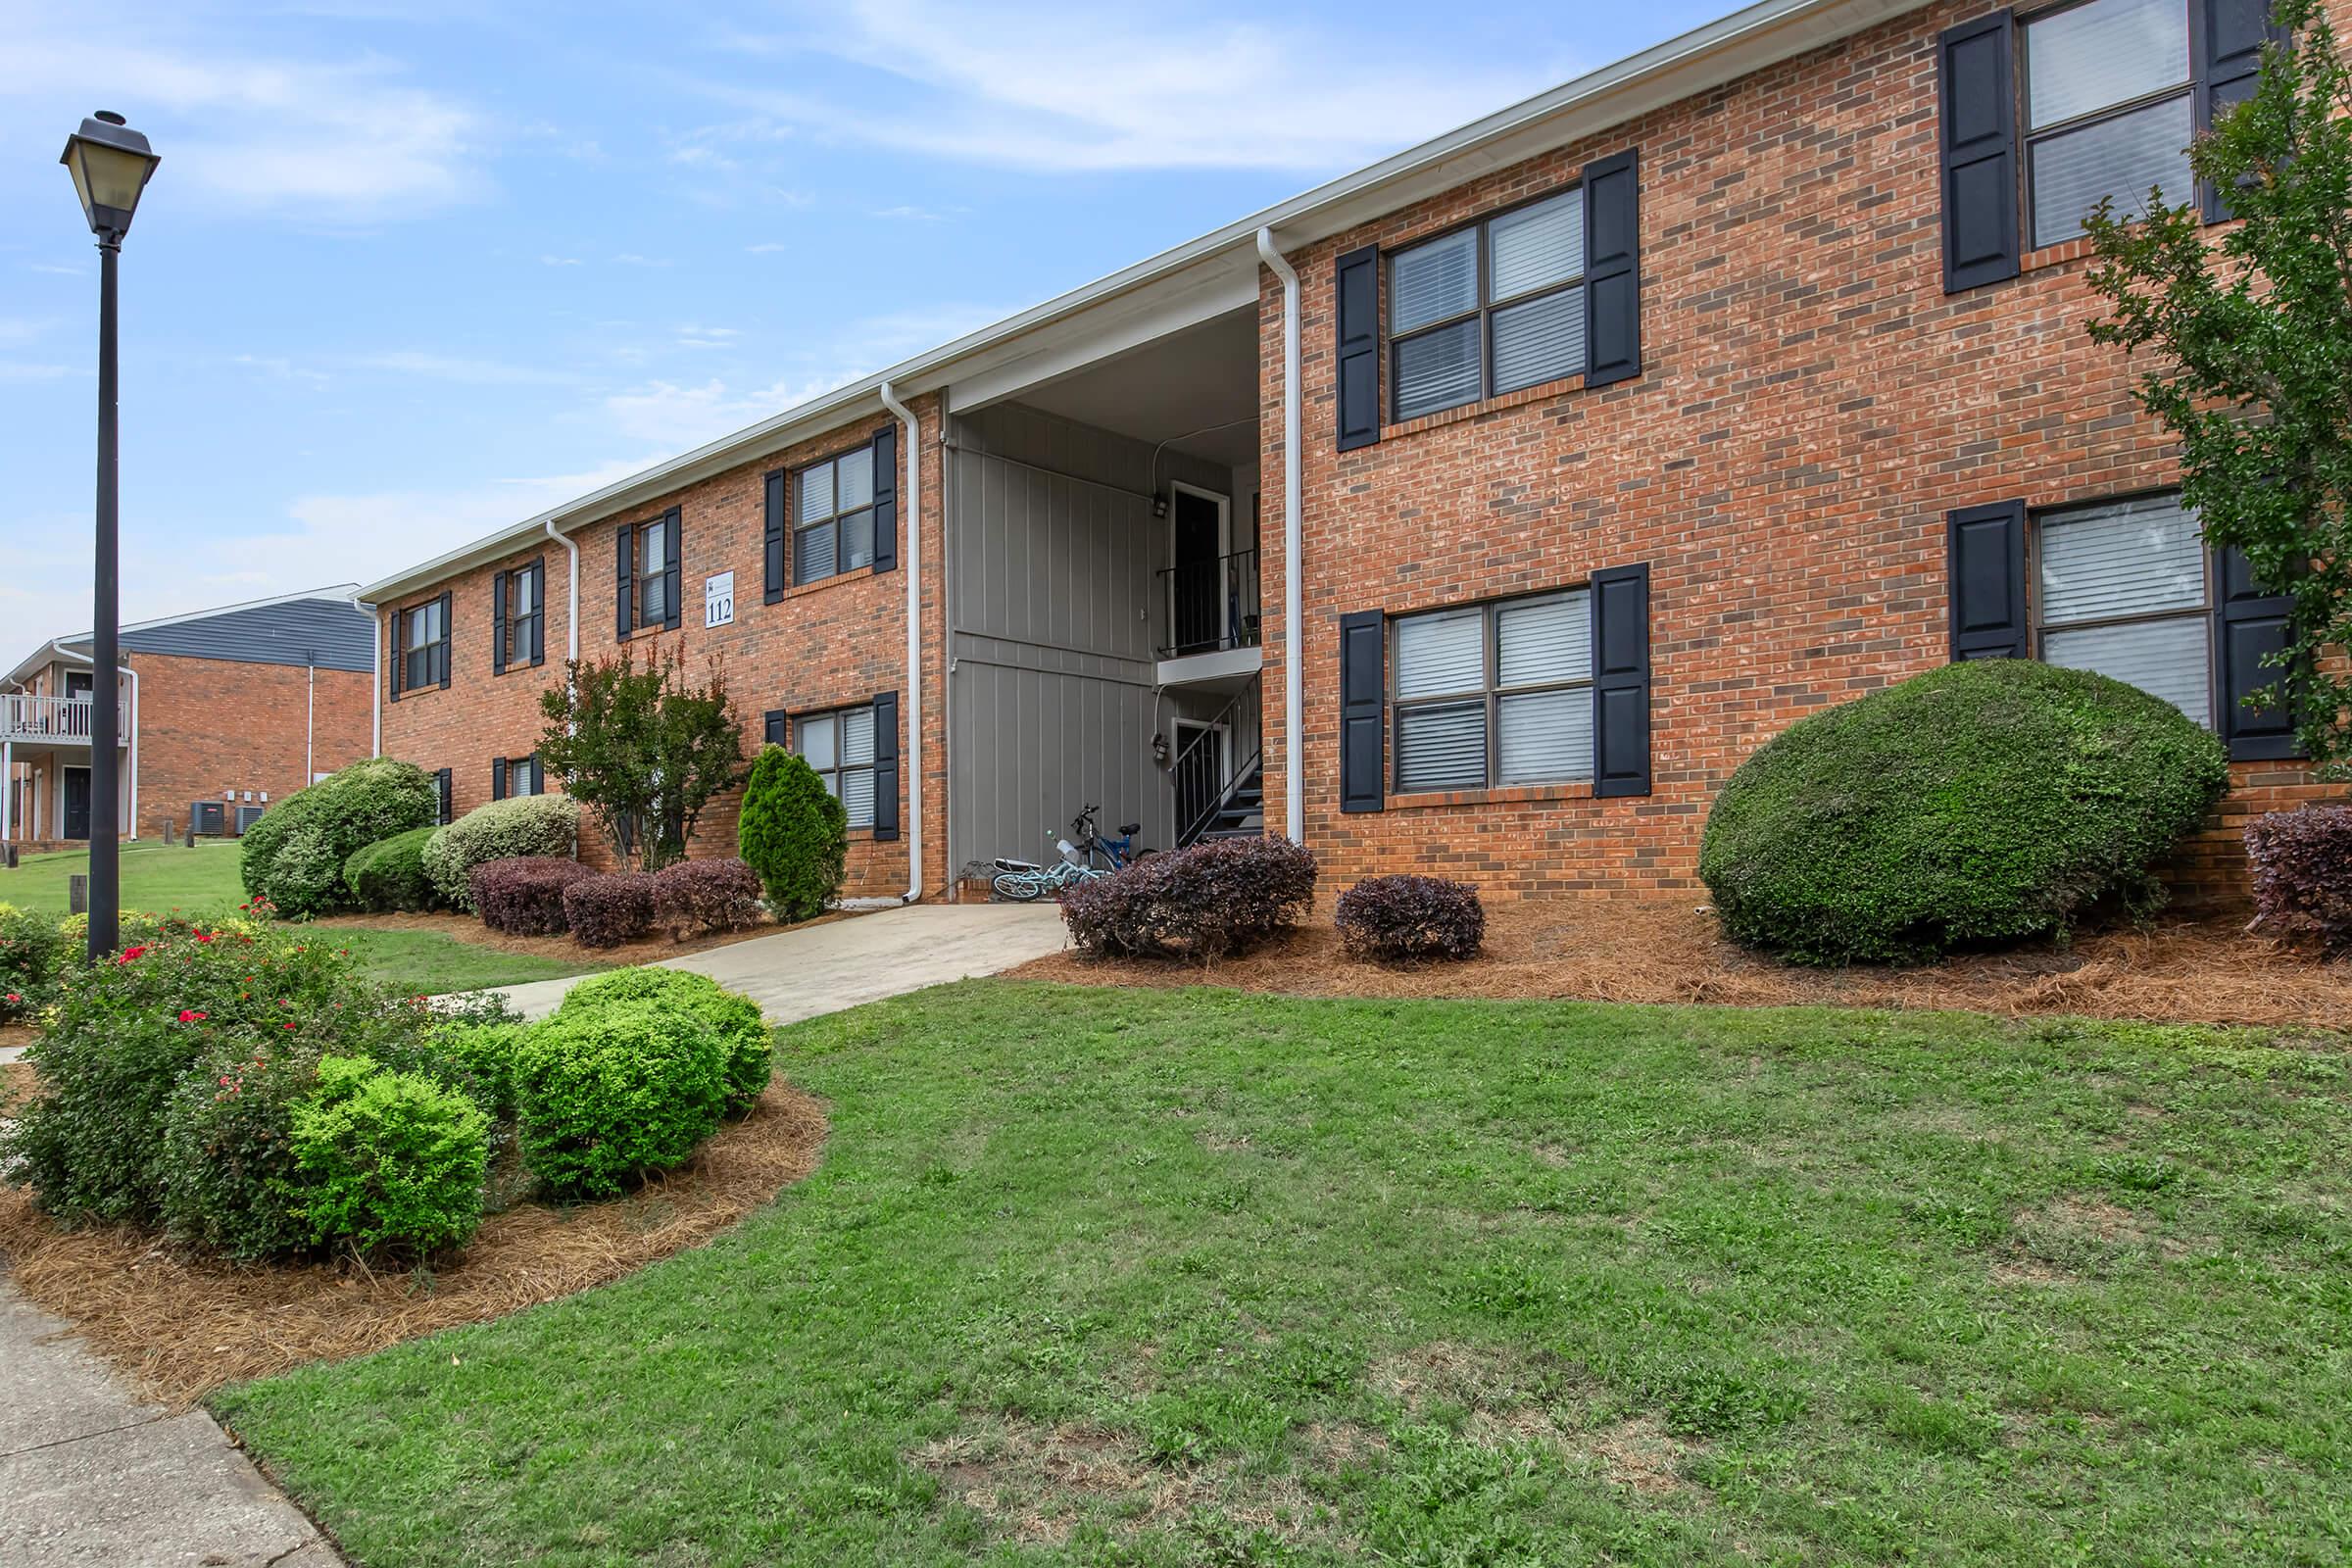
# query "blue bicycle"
(1023, 882)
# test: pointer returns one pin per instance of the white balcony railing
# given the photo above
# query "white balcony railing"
(66, 719)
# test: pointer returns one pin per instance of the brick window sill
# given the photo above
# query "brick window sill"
(1507, 795)
(2064, 254)
(1485, 405)
(838, 579)
(522, 668)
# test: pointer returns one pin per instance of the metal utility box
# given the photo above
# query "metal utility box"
(206, 817)
(247, 815)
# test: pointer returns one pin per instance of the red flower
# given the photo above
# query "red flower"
(204, 936)
(188, 1015)
(130, 954)
(289, 1026)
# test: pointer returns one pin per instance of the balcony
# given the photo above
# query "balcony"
(58, 720)
(1210, 618)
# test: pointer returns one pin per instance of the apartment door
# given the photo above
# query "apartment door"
(78, 803)
(1201, 771)
(77, 683)
(1197, 615)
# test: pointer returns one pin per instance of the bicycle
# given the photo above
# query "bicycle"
(1025, 882)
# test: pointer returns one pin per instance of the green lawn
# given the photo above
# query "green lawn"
(1095, 1276)
(203, 880)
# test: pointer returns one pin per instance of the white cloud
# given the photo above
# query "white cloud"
(1018, 85)
(632, 258)
(320, 142)
(460, 369)
(23, 370)
(559, 261)
(691, 336)
(767, 248)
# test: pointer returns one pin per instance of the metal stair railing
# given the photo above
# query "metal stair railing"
(1201, 759)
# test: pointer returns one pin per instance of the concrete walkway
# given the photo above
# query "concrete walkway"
(809, 970)
(88, 1475)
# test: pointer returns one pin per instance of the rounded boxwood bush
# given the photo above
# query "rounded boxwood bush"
(1981, 803)
(390, 1163)
(793, 834)
(387, 877)
(605, 1095)
(523, 826)
(294, 855)
(751, 1053)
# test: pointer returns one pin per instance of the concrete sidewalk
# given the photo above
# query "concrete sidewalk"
(89, 1475)
(816, 969)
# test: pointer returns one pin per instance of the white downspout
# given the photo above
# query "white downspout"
(1294, 789)
(912, 507)
(8, 790)
(135, 749)
(376, 633)
(310, 728)
(571, 617)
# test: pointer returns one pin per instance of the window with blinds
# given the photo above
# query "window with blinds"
(1488, 309)
(833, 516)
(1493, 694)
(840, 746)
(2124, 589)
(654, 545)
(426, 645)
(2108, 111)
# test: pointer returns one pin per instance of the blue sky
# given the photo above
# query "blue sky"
(411, 272)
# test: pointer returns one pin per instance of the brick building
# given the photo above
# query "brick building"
(238, 706)
(1478, 512)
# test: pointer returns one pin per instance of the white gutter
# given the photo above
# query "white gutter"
(310, 728)
(572, 619)
(135, 749)
(1294, 774)
(375, 665)
(911, 508)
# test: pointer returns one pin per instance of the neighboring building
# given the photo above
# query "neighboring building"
(1633, 424)
(240, 706)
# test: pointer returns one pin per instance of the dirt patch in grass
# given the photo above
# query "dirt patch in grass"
(16, 1081)
(1625, 950)
(652, 950)
(181, 1326)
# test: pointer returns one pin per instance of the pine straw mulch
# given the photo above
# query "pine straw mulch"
(16, 1085)
(181, 1326)
(2201, 971)
(652, 950)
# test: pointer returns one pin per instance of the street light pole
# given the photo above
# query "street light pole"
(111, 164)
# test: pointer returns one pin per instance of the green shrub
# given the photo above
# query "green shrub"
(229, 1178)
(387, 877)
(33, 954)
(294, 855)
(526, 825)
(1979, 802)
(477, 1058)
(793, 834)
(390, 1163)
(604, 1095)
(751, 1052)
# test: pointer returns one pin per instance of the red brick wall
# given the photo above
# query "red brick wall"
(208, 726)
(1811, 406)
(830, 644)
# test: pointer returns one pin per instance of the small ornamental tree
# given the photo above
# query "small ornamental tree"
(2251, 339)
(643, 750)
(793, 834)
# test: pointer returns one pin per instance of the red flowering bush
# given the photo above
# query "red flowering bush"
(696, 897)
(1409, 918)
(604, 911)
(2302, 863)
(229, 1180)
(33, 954)
(524, 896)
(1218, 897)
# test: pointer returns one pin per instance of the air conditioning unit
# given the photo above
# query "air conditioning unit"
(206, 817)
(247, 815)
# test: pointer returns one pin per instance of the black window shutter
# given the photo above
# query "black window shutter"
(671, 573)
(1363, 715)
(441, 649)
(885, 500)
(2250, 625)
(1355, 314)
(1985, 564)
(773, 732)
(444, 800)
(1613, 269)
(498, 624)
(539, 611)
(624, 617)
(400, 654)
(1976, 71)
(538, 775)
(498, 778)
(1621, 681)
(886, 766)
(776, 581)
(2227, 37)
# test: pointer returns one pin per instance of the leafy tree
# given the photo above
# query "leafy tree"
(794, 833)
(641, 749)
(2252, 339)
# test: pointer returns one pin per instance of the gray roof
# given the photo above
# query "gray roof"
(321, 627)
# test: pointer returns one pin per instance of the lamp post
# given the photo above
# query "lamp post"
(111, 164)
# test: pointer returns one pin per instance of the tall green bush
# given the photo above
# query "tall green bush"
(294, 855)
(607, 1096)
(390, 1163)
(794, 833)
(751, 1053)
(388, 877)
(525, 825)
(1976, 804)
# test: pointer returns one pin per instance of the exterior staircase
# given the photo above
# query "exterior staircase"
(1242, 813)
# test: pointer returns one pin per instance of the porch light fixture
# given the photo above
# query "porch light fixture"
(111, 164)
